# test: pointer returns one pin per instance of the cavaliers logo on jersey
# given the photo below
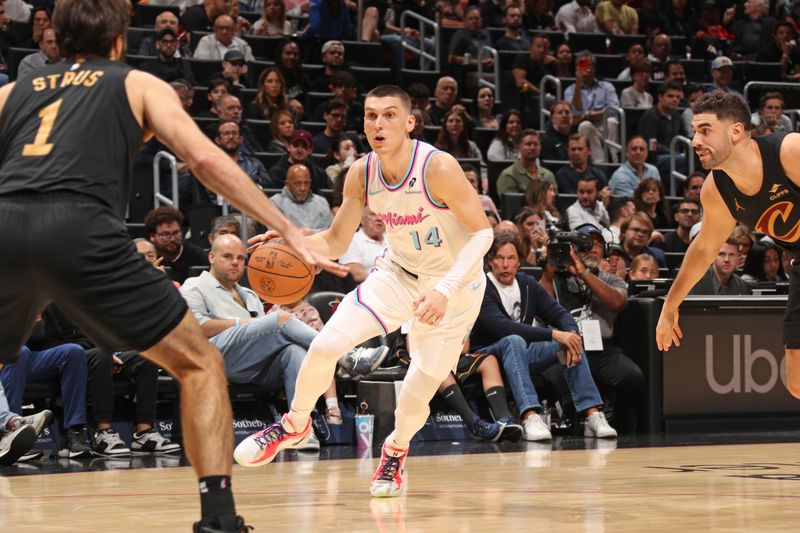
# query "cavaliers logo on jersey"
(776, 222)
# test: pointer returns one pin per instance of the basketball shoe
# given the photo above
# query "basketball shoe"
(221, 524)
(388, 479)
(262, 447)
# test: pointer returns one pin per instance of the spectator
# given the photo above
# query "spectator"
(234, 69)
(289, 63)
(619, 208)
(395, 35)
(555, 140)
(763, 264)
(564, 66)
(420, 99)
(217, 88)
(165, 19)
(48, 54)
(202, 17)
(528, 71)
(721, 75)
(660, 50)
(335, 117)
(662, 123)
(603, 295)
(616, 18)
(693, 185)
(281, 126)
(782, 49)
(541, 196)
(674, 71)
(454, 138)
(626, 178)
(230, 140)
(588, 208)
(165, 65)
(301, 206)
(693, 92)
(635, 54)
(753, 31)
(271, 96)
(567, 176)
(532, 232)
(263, 349)
(368, 244)
(636, 95)
(222, 41)
(230, 107)
(687, 215)
(576, 16)
(299, 153)
(273, 21)
(66, 364)
(589, 98)
(343, 152)
(514, 39)
(39, 21)
(345, 88)
(770, 117)
(526, 168)
(510, 303)
(333, 60)
(635, 233)
(679, 19)
(224, 225)
(474, 179)
(539, 15)
(328, 20)
(644, 267)
(465, 52)
(649, 198)
(483, 110)
(504, 145)
(720, 278)
(713, 37)
(420, 121)
(163, 227)
(18, 433)
(445, 95)
(745, 239)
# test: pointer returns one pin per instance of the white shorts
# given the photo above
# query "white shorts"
(384, 301)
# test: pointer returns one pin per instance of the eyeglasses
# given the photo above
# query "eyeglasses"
(688, 211)
(169, 234)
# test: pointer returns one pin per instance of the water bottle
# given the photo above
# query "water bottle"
(467, 57)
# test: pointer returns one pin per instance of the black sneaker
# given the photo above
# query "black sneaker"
(486, 431)
(221, 524)
(511, 430)
(14, 444)
(76, 445)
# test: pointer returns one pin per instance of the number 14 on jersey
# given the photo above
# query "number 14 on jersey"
(431, 238)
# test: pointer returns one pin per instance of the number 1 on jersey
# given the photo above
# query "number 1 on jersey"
(40, 145)
(431, 238)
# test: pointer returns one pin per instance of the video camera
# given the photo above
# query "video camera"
(561, 242)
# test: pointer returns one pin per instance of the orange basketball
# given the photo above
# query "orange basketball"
(278, 274)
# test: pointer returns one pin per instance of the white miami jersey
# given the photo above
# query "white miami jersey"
(424, 236)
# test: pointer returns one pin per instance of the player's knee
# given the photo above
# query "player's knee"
(329, 344)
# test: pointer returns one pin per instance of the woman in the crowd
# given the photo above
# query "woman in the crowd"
(273, 21)
(483, 109)
(343, 152)
(541, 196)
(763, 263)
(649, 197)
(289, 62)
(504, 145)
(643, 267)
(746, 239)
(282, 127)
(454, 139)
(271, 96)
(564, 65)
(532, 233)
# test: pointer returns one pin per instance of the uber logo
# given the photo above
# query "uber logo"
(742, 360)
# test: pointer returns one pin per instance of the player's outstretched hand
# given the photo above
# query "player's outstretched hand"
(668, 332)
(297, 240)
(430, 307)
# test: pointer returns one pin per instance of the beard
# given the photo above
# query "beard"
(716, 156)
(590, 261)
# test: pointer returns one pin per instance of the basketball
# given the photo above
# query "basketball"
(278, 274)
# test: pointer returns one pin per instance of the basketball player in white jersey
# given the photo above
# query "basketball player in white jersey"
(432, 272)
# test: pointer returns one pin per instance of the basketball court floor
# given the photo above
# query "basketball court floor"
(697, 483)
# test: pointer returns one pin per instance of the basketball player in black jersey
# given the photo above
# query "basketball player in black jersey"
(754, 181)
(68, 136)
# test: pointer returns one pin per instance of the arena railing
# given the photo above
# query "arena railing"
(674, 175)
(158, 198)
(608, 144)
(544, 113)
(424, 24)
(494, 86)
(244, 232)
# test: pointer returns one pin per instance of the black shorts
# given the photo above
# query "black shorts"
(468, 366)
(791, 320)
(72, 250)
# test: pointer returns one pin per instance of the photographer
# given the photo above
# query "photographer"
(582, 286)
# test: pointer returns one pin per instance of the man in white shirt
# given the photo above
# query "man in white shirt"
(368, 244)
(223, 40)
(588, 209)
(577, 16)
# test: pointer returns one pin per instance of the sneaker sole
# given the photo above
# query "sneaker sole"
(511, 433)
(20, 444)
(389, 493)
(264, 459)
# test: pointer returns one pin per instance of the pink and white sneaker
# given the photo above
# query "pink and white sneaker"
(388, 479)
(262, 447)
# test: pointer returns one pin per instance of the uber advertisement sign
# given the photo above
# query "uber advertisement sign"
(731, 360)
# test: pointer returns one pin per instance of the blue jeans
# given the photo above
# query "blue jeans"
(520, 360)
(265, 353)
(66, 362)
(5, 410)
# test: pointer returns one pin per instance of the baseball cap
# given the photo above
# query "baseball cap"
(166, 31)
(711, 3)
(233, 55)
(590, 229)
(720, 62)
(330, 44)
(301, 135)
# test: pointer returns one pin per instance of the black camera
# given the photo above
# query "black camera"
(561, 242)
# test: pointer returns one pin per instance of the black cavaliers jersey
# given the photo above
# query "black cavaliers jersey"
(69, 127)
(775, 209)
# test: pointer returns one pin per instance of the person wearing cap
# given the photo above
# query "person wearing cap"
(753, 32)
(587, 284)
(588, 208)
(721, 75)
(333, 60)
(47, 55)
(299, 204)
(165, 65)
(165, 19)
(686, 215)
(300, 144)
(234, 69)
(504, 328)
(214, 47)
